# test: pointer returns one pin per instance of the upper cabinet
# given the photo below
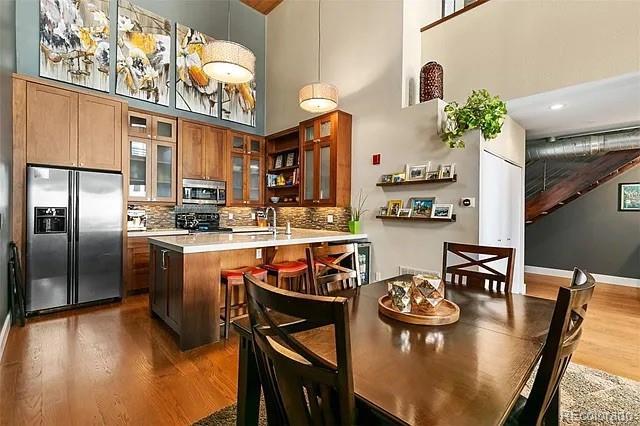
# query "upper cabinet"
(99, 133)
(152, 158)
(71, 129)
(245, 186)
(326, 160)
(52, 126)
(202, 151)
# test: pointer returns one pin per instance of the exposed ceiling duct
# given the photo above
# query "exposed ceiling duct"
(580, 146)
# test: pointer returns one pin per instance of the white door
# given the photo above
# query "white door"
(500, 210)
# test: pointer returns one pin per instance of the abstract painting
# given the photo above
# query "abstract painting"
(239, 102)
(74, 42)
(143, 54)
(195, 91)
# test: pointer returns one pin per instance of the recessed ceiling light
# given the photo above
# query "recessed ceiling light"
(556, 107)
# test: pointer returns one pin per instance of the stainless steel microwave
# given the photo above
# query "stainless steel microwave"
(196, 191)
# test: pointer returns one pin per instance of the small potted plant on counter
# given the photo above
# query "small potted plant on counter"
(357, 212)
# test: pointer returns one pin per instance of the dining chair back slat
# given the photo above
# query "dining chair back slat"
(479, 257)
(562, 340)
(300, 386)
(327, 272)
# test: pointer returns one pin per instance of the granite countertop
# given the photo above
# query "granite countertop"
(157, 232)
(207, 242)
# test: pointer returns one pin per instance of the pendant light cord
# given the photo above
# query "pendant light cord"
(319, 39)
(229, 20)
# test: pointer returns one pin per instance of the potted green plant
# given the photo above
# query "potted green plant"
(481, 111)
(357, 212)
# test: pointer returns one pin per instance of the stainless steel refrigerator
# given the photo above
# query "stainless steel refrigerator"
(74, 238)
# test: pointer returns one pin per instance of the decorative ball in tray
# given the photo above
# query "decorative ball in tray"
(420, 301)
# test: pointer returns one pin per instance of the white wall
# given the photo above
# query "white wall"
(362, 56)
(415, 13)
(516, 48)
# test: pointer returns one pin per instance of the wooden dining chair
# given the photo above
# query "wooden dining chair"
(325, 269)
(483, 274)
(300, 387)
(542, 405)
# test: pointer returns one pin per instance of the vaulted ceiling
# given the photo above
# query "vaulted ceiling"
(262, 6)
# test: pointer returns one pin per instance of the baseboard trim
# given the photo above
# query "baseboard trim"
(4, 334)
(604, 279)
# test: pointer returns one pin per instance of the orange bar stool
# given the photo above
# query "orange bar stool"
(292, 275)
(233, 278)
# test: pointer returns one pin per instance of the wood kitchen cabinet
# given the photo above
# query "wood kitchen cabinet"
(52, 131)
(165, 281)
(71, 129)
(153, 158)
(202, 151)
(99, 133)
(245, 184)
(326, 160)
(137, 273)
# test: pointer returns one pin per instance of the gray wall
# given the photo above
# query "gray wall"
(207, 16)
(7, 66)
(589, 233)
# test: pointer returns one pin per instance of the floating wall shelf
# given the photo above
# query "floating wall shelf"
(418, 182)
(416, 219)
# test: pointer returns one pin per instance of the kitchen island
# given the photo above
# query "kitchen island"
(185, 273)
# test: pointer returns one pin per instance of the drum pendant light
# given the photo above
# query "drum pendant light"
(318, 97)
(227, 61)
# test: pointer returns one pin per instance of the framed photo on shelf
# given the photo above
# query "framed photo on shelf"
(398, 177)
(421, 206)
(417, 172)
(629, 197)
(384, 211)
(386, 178)
(404, 212)
(278, 163)
(447, 171)
(442, 211)
(291, 159)
(433, 175)
(393, 206)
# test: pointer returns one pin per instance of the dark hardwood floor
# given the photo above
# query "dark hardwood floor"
(111, 365)
(115, 365)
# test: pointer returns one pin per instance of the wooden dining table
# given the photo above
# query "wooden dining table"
(467, 373)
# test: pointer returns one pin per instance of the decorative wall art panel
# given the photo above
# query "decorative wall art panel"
(195, 91)
(239, 103)
(143, 54)
(74, 42)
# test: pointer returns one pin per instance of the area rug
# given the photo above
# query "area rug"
(589, 397)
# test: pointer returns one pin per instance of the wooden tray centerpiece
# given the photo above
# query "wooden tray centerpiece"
(419, 302)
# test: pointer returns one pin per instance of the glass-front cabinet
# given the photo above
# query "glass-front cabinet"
(164, 172)
(152, 158)
(247, 170)
(235, 194)
(321, 162)
(139, 169)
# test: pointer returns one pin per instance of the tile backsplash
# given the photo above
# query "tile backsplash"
(300, 217)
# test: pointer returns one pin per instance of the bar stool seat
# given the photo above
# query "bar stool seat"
(292, 266)
(231, 278)
(289, 274)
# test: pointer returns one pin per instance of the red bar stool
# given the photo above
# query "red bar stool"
(292, 274)
(233, 278)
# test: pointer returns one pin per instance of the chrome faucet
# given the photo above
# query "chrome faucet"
(272, 228)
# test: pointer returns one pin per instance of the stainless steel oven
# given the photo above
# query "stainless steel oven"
(196, 191)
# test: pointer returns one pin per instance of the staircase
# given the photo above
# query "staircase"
(552, 183)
